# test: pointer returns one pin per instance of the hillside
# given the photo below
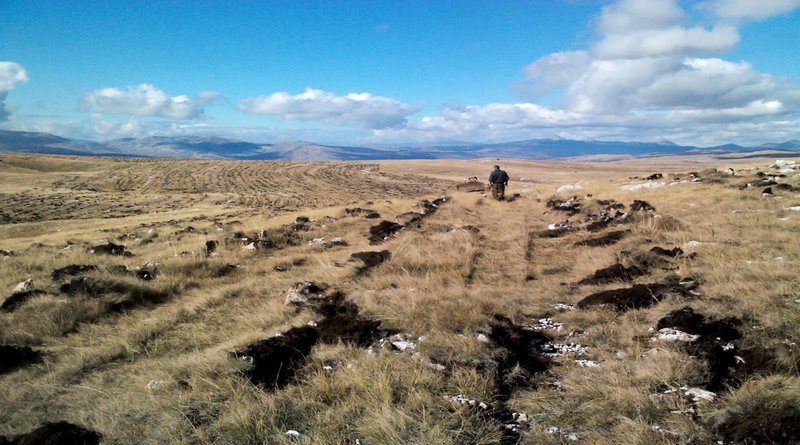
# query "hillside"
(211, 301)
(216, 148)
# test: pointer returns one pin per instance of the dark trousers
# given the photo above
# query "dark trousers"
(498, 190)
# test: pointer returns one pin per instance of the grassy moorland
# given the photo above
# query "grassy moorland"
(480, 325)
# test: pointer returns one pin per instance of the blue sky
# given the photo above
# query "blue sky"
(394, 72)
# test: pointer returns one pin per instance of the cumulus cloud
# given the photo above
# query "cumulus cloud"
(361, 110)
(11, 74)
(751, 9)
(142, 100)
(653, 72)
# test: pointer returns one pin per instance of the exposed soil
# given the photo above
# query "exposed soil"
(13, 357)
(729, 364)
(59, 433)
(761, 423)
(675, 252)
(110, 249)
(358, 211)
(371, 259)
(119, 295)
(605, 240)
(16, 299)
(517, 348)
(275, 360)
(640, 295)
(71, 271)
(615, 272)
(383, 230)
(641, 206)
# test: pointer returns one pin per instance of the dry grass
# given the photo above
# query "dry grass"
(441, 289)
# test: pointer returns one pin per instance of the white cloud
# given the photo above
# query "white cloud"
(11, 74)
(667, 41)
(627, 16)
(752, 9)
(141, 100)
(362, 110)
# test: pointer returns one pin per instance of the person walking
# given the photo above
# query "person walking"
(498, 180)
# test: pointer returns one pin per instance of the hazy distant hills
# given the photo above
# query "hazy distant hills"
(196, 147)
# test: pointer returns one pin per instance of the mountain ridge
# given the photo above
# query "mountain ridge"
(213, 147)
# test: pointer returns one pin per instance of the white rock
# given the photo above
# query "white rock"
(569, 188)
(564, 307)
(482, 338)
(643, 186)
(152, 385)
(404, 345)
(24, 286)
(669, 334)
(293, 433)
(698, 394)
(587, 363)
(317, 242)
(251, 246)
(794, 208)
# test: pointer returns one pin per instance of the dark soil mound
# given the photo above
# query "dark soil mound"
(729, 364)
(605, 240)
(120, 295)
(640, 295)
(763, 421)
(16, 299)
(349, 328)
(13, 357)
(687, 320)
(520, 347)
(275, 360)
(641, 206)
(211, 246)
(383, 230)
(59, 433)
(675, 252)
(367, 213)
(371, 259)
(71, 271)
(615, 272)
(110, 249)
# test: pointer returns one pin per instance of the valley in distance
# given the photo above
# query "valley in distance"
(651, 300)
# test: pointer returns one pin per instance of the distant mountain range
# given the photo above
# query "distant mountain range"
(196, 147)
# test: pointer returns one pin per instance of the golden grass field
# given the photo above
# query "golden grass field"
(463, 296)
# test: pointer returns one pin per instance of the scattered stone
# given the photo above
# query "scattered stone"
(58, 433)
(154, 385)
(13, 357)
(546, 324)
(564, 307)
(669, 334)
(304, 294)
(699, 394)
(571, 206)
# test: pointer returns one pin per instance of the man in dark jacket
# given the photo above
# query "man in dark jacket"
(498, 180)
